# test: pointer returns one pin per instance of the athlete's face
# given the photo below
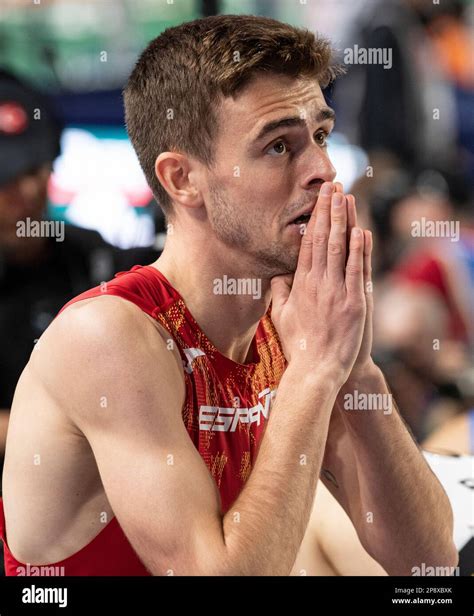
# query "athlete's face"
(271, 159)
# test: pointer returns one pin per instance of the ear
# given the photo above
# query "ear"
(176, 174)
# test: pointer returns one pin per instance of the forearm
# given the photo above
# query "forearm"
(265, 527)
(339, 471)
(405, 517)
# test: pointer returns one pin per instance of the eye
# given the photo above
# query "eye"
(280, 148)
(321, 138)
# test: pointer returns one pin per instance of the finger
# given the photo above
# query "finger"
(336, 259)
(305, 257)
(355, 263)
(351, 213)
(339, 187)
(368, 287)
(321, 229)
(351, 218)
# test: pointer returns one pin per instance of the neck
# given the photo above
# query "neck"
(220, 289)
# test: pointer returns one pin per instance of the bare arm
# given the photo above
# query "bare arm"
(110, 367)
(398, 507)
(337, 538)
(124, 389)
(374, 468)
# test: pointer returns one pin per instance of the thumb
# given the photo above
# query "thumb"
(281, 288)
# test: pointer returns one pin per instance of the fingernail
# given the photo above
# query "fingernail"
(356, 232)
(326, 189)
(337, 199)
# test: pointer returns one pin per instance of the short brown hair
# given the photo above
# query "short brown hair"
(172, 95)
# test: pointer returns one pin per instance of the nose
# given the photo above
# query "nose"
(320, 169)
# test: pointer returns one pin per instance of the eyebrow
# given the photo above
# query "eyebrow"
(326, 113)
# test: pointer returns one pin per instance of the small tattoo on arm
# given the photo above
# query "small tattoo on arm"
(329, 476)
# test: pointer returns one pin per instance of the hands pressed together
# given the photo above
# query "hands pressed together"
(323, 313)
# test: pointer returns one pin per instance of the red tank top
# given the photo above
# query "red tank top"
(225, 410)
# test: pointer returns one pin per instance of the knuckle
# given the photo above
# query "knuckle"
(335, 248)
(311, 283)
(353, 269)
(306, 241)
(320, 238)
(313, 288)
(356, 307)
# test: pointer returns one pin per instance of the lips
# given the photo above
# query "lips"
(303, 217)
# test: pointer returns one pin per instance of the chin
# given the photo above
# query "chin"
(268, 266)
(277, 257)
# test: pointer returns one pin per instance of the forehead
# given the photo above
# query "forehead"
(270, 96)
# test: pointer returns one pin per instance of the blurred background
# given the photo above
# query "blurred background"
(403, 144)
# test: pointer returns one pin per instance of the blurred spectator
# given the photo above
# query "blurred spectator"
(432, 239)
(454, 43)
(408, 107)
(39, 270)
(424, 325)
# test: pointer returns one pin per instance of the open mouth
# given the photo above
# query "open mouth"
(301, 220)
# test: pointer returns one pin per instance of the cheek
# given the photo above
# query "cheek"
(267, 185)
(258, 196)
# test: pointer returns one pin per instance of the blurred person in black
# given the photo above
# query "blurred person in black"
(409, 105)
(38, 274)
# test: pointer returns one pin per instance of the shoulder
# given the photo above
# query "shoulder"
(105, 346)
(98, 323)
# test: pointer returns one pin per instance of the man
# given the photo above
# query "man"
(38, 272)
(154, 394)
